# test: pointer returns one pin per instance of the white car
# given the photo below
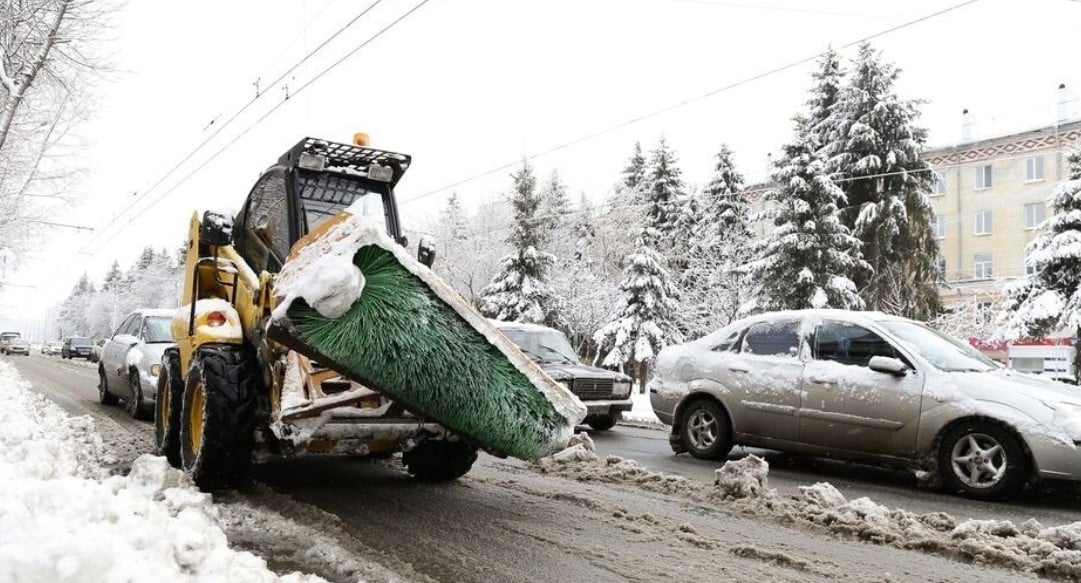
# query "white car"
(870, 387)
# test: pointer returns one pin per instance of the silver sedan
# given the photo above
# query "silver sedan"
(865, 386)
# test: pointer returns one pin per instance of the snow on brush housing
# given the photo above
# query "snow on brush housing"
(63, 518)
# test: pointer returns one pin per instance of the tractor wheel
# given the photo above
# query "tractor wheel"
(217, 424)
(439, 461)
(167, 408)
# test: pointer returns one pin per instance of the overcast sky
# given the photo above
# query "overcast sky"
(468, 85)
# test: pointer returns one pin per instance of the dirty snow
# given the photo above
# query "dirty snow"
(742, 486)
(63, 518)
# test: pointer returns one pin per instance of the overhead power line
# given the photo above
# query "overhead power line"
(684, 102)
(221, 127)
(260, 120)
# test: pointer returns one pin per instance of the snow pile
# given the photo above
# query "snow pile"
(580, 462)
(742, 478)
(63, 519)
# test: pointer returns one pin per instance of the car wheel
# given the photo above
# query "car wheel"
(104, 396)
(705, 431)
(982, 460)
(602, 422)
(135, 401)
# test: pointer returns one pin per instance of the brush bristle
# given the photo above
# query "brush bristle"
(414, 348)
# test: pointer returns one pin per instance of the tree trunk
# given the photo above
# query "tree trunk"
(24, 78)
(643, 370)
(1077, 356)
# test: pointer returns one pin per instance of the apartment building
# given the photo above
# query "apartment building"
(989, 199)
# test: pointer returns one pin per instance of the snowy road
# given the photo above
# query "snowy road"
(504, 522)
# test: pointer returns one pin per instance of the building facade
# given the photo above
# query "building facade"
(990, 197)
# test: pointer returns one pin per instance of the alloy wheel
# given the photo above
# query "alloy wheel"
(979, 460)
(702, 429)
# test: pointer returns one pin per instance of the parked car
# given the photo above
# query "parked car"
(606, 394)
(868, 387)
(18, 346)
(95, 351)
(5, 340)
(51, 348)
(76, 347)
(131, 361)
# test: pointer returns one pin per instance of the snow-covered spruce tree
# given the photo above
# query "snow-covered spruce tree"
(875, 153)
(810, 258)
(647, 322)
(662, 193)
(519, 292)
(825, 89)
(1050, 298)
(712, 285)
(634, 173)
(71, 318)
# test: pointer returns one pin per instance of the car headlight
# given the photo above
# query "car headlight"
(621, 390)
(155, 370)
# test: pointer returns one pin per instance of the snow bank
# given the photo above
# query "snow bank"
(742, 485)
(62, 518)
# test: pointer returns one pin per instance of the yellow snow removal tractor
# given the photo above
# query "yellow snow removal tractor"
(305, 327)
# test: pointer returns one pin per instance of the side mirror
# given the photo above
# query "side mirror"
(426, 251)
(885, 364)
(126, 339)
(217, 229)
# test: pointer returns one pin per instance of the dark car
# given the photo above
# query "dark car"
(606, 394)
(76, 347)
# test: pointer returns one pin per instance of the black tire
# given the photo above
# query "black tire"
(217, 424)
(167, 409)
(602, 422)
(983, 460)
(134, 404)
(104, 396)
(439, 461)
(704, 430)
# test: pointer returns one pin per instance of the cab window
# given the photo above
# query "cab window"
(263, 239)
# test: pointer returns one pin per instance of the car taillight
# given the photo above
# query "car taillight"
(215, 319)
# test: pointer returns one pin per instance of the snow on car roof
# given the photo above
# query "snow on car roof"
(503, 325)
(165, 312)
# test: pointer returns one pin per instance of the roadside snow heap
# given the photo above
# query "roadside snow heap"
(63, 518)
(742, 485)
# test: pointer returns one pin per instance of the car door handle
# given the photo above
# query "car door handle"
(738, 369)
(823, 381)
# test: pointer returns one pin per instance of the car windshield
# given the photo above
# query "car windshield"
(156, 329)
(8, 337)
(543, 345)
(940, 350)
(81, 342)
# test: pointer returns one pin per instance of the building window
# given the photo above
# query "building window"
(983, 177)
(983, 222)
(983, 267)
(940, 227)
(940, 267)
(938, 187)
(1033, 168)
(1034, 215)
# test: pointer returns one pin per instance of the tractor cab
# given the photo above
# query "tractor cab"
(310, 183)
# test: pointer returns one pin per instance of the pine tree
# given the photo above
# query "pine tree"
(1050, 298)
(554, 202)
(876, 151)
(454, 218)
(662, 192)
(145, 258)
(519, 291)
(634, 173)
(810, 258)
(713, 284)
(114, 277)
(647, 322)
(825, 90)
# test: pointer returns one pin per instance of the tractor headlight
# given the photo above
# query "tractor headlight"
(621, 390)
(155, 370)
